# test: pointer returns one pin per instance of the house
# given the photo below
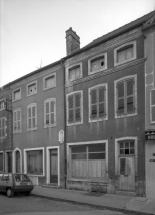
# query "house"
(105, 109)
(38, 125)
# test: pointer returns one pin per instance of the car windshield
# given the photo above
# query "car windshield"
(21, 177)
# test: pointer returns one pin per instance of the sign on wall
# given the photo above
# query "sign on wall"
(150, 135)
(61, 136)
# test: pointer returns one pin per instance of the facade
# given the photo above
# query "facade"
(38, 118)
(6, 138)
(105, 111)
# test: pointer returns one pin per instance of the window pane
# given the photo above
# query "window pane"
(72, 74)
(153, 97)
(153, 113)
(120, 109)
(120, 90)
(121, 145)
(94, 111)
(77, 72)
(131, 144)
(35, 162)
(70, 102)
(96, 156)
(130, 87)
(122, 151)
(101, 110)
(94, 96)
(96, 147)
(126, 151)
(70, 117)
(79, 156)
(126, 145)
(125, 54)
(77, 100)
(122, 166)
(132, 151)
(77, 115)
(130, 105)
(78, 149)
(50, 82)
(101, 94)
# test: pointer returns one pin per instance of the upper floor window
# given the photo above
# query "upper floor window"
(31, 88)
(49, 81)
(98, 103)
(50, 112)
(2, 104)
(17, 120)
(32, 117)
(97, 63)
(125, 53)
(75, 108)
(152, 112)
(3, 127)
(74, 72)
(126, 96)
(16, 94)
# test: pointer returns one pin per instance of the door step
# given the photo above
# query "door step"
(125, 193)
(51, 186)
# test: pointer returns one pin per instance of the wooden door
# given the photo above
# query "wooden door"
(53, 166)
(9, 167)
(17, 162)
(126, 174)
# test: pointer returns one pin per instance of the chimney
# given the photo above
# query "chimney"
(72, 41)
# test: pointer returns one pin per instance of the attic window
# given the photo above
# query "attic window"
(32, 88)
(74, 72)
(97, 63)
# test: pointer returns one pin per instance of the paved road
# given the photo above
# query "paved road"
(23, 205)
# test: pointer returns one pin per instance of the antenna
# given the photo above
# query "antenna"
(40, 65)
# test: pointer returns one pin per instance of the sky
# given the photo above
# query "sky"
(32, 32)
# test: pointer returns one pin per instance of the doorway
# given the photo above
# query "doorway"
(9, 162)
(17, 158)
(53, 166)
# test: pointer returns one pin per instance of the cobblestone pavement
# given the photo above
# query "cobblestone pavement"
(23, 205)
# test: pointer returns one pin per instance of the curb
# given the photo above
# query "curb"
(99, 207)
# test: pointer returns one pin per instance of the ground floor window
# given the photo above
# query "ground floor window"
(88, 161)
(1, 162)
(35, 162)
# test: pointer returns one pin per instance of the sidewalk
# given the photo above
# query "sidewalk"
(134, 205)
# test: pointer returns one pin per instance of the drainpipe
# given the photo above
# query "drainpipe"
(65, 130)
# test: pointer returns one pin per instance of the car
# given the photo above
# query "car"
(11, 183)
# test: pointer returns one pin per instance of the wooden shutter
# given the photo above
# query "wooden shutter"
(47, 113)
(18, 120)
(1, 162)
(70, 109)
(101, 103)
(78, 107)
(14, 121)
(29, 118)
(130, 96)
(153, 105)
(52, 112)
(33, 116)
(93, 95)
(120, 98)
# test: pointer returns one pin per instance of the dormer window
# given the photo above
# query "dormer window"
(97, 63)
(74, 72)
(32, 88)
(125, 53)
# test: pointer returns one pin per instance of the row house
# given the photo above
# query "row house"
(105, 110)
(38, 125)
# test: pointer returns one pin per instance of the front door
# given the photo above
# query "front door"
(126, 173)
(54, 166)
(9, 162)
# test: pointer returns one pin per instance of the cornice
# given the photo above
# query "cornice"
(131, 35)
(35, 76)
(107, 72)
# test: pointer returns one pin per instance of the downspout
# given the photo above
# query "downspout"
(65, 130)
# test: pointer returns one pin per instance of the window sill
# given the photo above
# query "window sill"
(44, 89)
(76, 123)
(31, 94)
(125, 115)
(17, 132)
(98, 120)
(16, 100)
(124, 62)
(32, 129)
(50, 126)
(93, 72)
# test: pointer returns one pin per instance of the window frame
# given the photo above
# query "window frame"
(27, 88)
(32, 105)
(5, 127)
(25, 160)
(151, 106)
(15, 90)
(15, 110)
(46, 77)
(116, 98)
(72, 67)
(2, 152)
(2, 101)
(81, 108)
(49, 100)
(121, 47)
(106, 101)
(96, 57)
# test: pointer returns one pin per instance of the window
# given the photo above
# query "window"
(31, 88)
(98, 103)
(1, 161)
(126, 96)
(32, 117)
(74, 72)
(88, 161)
(16, 94)
(74, 108)
(126, 147)
(49, 81)
(2, 104)
(125, 53)
(35, 162)
(97, 63)
(3, 127)
(152, 95)
(50, 112)
(17, 120)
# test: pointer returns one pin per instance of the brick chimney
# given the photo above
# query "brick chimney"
(72, 41)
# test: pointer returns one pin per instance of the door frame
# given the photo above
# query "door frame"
(117, 140)
(48, 163)
(14, 160)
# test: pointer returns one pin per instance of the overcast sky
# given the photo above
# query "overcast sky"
(33, 31)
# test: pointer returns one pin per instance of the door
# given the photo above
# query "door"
(9, 162)
(17, 162)
(126, 174)
(53, 166)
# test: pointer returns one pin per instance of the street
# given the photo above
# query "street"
(22, 205)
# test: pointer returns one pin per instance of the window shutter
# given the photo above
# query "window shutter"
(77, 107)
(70, 109)
(47, 111)
(29, 118)
(18, 120)
(130, 96)
(102, 111)
(52, 104)
(120, 98)
(153, 105)
(33, 116)
(14, 121)
(93, 104)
